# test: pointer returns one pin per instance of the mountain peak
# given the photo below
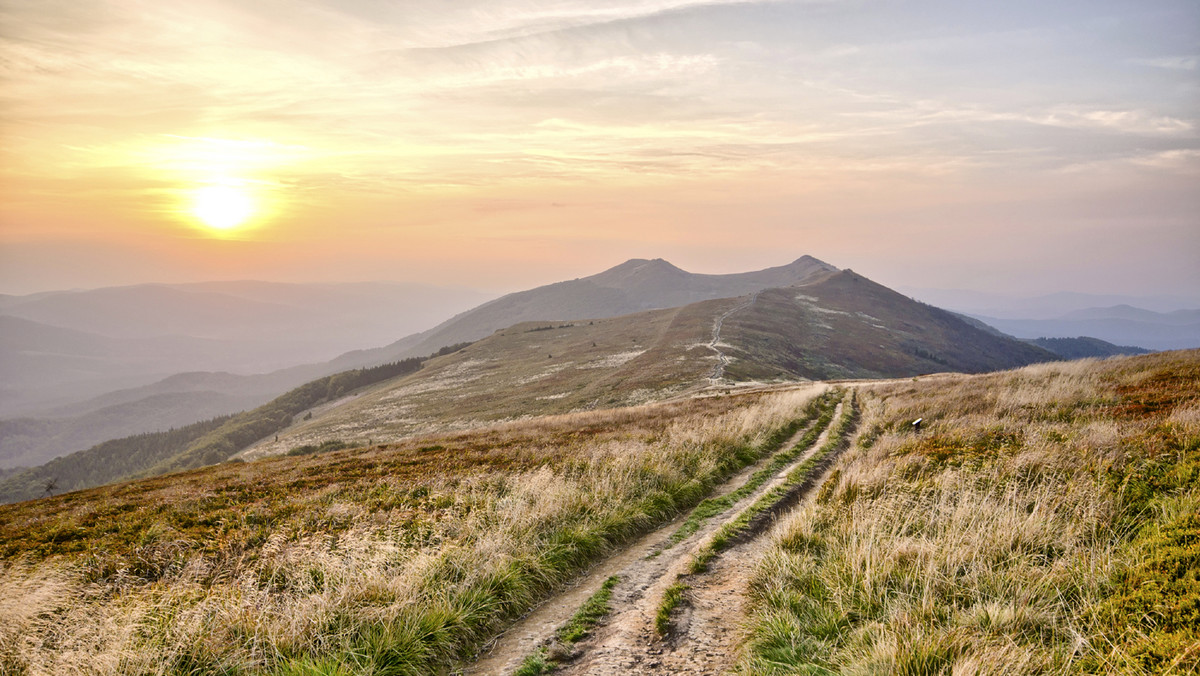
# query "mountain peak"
(637, 270)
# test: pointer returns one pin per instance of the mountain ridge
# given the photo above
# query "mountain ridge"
(632, 286)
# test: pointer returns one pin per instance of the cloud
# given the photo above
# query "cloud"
(1170, 62)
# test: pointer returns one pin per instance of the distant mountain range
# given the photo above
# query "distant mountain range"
(1119, 324)
(58, 349)
(1149, 322)
(839, 324)
(1047, 306)
(1083, 347)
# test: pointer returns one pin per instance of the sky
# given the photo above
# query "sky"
(1009, 147)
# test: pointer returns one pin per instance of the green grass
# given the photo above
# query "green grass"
(726, 535)
(400, 558)
(535, 664)
(672, 598)
(821, 410)
(588, 617)
(1045, 522)
(589, 614)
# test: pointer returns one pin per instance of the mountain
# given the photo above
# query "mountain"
(1047, 306)
(61, 348)
(43, 366)
(1122, 325)
(823, 324)
(632, 286)
(836, 324)
(844, 325)
(60, 391)
(1084, 347)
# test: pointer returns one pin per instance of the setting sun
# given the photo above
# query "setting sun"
(222, 207)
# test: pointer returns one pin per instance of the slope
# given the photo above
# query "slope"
(632, 286)
(1044, 522)
(1084, 347)
(533, 368)
(843, 325)
(60, 348)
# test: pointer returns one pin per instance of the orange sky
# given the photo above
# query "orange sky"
(504, 144)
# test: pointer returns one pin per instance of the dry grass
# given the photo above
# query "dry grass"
(525, 370)
(1043, 522)
(388, 559)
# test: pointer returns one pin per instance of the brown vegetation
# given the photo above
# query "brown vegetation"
(1043, 522)
(368, 560)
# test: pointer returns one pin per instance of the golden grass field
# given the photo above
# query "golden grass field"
(1045, 521)
(385, 559)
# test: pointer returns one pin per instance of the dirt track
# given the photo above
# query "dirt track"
(706, 627)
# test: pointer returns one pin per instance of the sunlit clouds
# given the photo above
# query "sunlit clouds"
(505, 143)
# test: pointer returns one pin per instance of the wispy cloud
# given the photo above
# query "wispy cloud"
(1170, 62)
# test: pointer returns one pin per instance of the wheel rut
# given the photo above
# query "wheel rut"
(706, 629)
(645, 567)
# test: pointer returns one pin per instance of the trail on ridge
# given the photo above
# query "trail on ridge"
(714, 344)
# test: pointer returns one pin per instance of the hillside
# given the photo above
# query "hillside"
(61, 348)
(194, 445)
(1084, 347)
(839, 326)
(843, 325)
(533, 368)
(630, 287)
(1046, 515)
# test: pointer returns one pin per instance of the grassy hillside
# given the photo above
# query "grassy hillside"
(1044, 521)
(34, 441)
(633, 286)
(843, 325)
(840, 326)
(1084, 347)
(381, 560)
(534, 368)
(191, 446)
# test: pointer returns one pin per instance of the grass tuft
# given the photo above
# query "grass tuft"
(672, 598)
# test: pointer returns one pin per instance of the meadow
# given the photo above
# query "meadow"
(1043, 521)
(389, 559)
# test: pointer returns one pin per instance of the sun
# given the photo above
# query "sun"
(222, 207)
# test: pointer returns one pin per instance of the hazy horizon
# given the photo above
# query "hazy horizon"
(941, 296)
(1018, 148)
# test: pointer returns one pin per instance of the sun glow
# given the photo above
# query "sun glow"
(222, 207)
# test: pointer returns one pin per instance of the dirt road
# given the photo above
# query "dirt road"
(706, 629)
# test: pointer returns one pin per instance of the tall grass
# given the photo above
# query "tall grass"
(1044, 522)
(386, 560)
